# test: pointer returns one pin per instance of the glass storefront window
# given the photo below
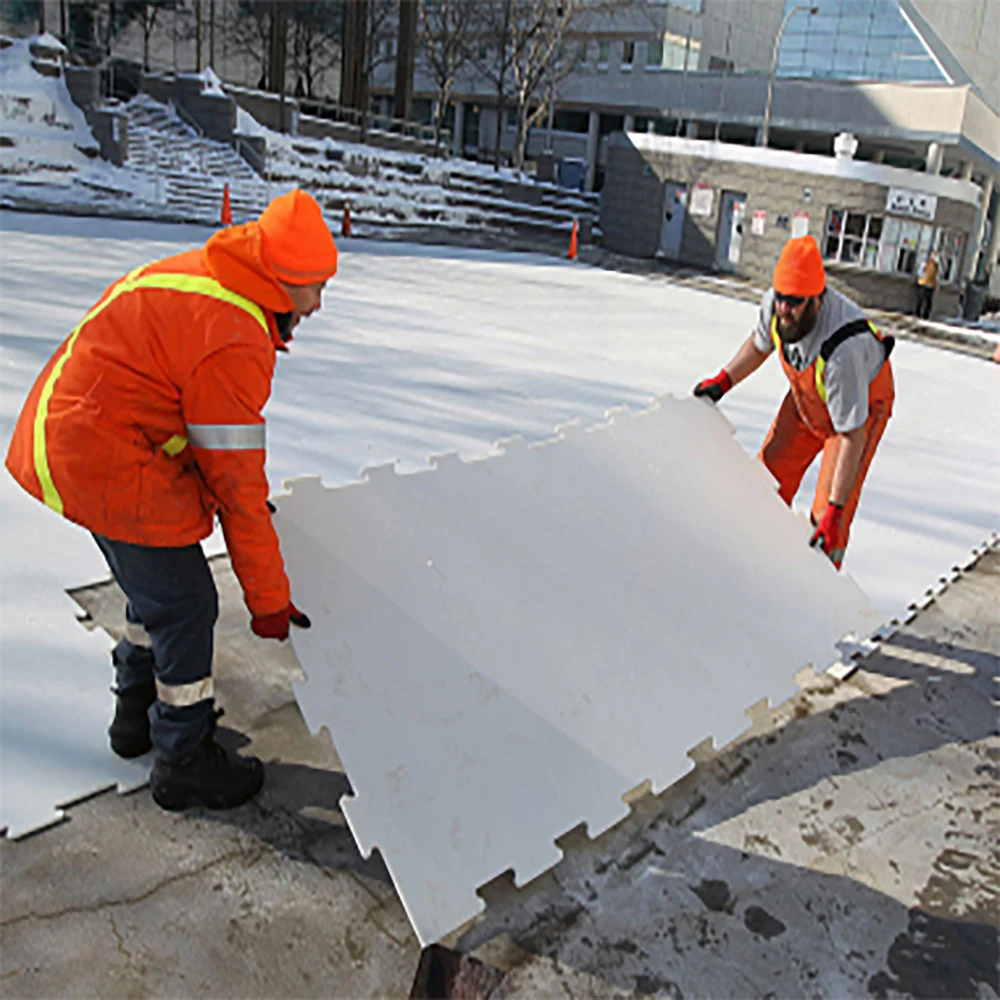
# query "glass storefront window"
(890, 244)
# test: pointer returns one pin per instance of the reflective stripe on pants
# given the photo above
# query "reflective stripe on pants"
(172, 594)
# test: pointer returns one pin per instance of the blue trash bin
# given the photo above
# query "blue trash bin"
(572, 173)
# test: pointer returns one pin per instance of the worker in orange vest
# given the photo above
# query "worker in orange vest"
(840, 394)
(147, 423)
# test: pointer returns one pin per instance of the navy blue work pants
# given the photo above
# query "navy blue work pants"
(171, 594)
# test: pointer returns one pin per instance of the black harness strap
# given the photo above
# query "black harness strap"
(849, 330)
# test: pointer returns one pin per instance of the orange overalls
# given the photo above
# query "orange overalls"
(803, 427)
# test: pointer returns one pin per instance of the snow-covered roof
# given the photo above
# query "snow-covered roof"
(809, 163)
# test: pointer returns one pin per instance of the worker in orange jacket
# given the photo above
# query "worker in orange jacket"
(840, 389)
(147, 423)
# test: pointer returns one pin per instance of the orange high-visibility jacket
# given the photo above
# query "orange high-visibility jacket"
(147, 420)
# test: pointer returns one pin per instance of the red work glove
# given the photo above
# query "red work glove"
(714, 388)
(829, 533)
(276, 626)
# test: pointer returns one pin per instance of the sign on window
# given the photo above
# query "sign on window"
(912, 203)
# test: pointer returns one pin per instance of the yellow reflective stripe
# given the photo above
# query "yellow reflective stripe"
(774, 333)
(199, 285)
(820, 380)
(175, 445)
(50, 495)
(189, 283)
(184, 695)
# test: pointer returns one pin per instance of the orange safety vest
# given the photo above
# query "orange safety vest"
(808, 387)
(147, 421)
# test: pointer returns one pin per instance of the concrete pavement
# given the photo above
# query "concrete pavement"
(847, 845)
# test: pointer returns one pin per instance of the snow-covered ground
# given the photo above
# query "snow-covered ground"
(421, 350)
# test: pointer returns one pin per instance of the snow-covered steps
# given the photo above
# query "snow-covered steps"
(160, 141)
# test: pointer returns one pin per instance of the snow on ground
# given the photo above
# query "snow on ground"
(420, 350)
(45, 135)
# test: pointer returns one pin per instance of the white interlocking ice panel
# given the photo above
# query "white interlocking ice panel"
(503, 648)
(55, 703)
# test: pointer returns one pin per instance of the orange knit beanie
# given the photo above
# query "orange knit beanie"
(297, 241)
(799, 270)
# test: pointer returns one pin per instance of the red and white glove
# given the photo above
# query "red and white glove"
(714, 388)
(828, 535)
(275, 626)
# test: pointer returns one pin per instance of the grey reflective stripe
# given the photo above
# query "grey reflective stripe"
(227, 437)
(183, 695)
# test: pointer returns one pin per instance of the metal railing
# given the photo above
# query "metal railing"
(256, 161)
(372, 120)
(191, 123)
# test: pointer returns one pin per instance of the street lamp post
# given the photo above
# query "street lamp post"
(774, 63)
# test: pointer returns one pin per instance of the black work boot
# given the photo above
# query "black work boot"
(209, 776)
(129, 730)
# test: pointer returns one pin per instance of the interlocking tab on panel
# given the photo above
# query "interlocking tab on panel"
(501, 649)
(35, 787)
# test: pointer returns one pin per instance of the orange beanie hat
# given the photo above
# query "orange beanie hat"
(799, 270)
(298, 243)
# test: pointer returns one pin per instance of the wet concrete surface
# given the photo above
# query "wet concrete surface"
(846, 845)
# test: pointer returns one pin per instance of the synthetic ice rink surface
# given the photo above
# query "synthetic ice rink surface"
(424, 350)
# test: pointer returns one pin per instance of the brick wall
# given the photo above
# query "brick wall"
(632, 205)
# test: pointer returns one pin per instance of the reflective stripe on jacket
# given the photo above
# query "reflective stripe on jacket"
(808, 386)
(148, 419)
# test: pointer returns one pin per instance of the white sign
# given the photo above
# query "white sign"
(702, 196)
(757, 222)
(912, 203)
(800, 224)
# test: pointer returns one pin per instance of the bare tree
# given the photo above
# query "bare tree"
(249, 31)
(444, 40)
(316, 28)
(145, 12)
(494, 54)
(520, 52)
(540, 60)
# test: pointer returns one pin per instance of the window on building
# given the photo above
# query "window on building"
(566, 120)
(628, 54)
(603, 53)
(672, 52)
(581, 50)
(890, 244)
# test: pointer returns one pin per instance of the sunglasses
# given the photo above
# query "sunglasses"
(792, 301)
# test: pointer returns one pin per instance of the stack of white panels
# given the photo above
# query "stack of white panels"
(502, 649)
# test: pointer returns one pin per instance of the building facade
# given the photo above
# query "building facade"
(915, 81)
(731, 208)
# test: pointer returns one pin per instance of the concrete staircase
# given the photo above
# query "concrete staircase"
(386, 189)
(392, 190)
(160, 141)
(190, 170)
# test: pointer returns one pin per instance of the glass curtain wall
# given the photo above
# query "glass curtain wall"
(854, 40)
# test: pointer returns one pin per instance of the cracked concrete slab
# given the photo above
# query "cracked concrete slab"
(847, 845)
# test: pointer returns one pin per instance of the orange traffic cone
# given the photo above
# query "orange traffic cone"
(346, 228)
(572, 242)
(227, 212)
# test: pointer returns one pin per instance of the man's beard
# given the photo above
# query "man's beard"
(792, 331)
